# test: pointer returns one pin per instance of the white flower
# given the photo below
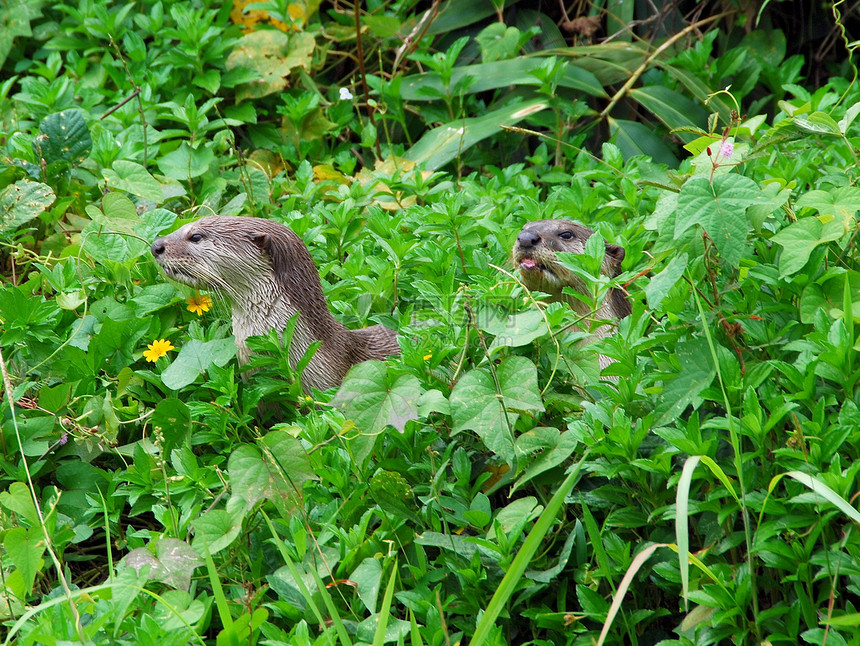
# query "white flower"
(345, 94)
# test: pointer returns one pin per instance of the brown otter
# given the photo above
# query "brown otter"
(267, 273)
(535, 254)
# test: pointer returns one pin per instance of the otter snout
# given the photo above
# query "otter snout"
(528, 239)
(157, 247)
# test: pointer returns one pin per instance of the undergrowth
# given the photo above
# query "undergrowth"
(490, 485)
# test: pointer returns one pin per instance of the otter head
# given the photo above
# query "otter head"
(535, 254)
(237, 256)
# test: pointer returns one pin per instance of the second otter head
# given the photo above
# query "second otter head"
(536, 248)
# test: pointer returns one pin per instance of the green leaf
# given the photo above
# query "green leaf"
(476, 406)
(516, 330)
(173, 563)
(800, 238)
(194, 358)
(658, 287)
(842, 202)
(65, 137)
(25, 549)
(277, 474)
(819, 123)
(367, 577)
(373, 397)
(186, 162)
(133, 178)
(22, 201)
(636, 139)
(173, 418)
(217, 529)
(440, 145)
(555, 447)
(15, 17)
(673, 109)
(19, 501)
(492, 76)
(272, 55)
(393, 494)
(697, 373)
(720, 208)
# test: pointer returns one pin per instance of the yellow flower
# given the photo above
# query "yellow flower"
(157, 349)
(428, 356)
(199, 303)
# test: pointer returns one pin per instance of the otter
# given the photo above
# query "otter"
(268, 275)
(535, 254)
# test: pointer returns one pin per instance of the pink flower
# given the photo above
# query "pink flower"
(727, 149)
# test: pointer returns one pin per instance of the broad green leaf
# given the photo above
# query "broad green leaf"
(819, 123)
(186, 162)
(65, 137)
(658, 287)
(19, 501)
(719, 208)
(22, 201)
(636, 139)
(172, 417)
(800, 238)
(133, 178)
(15, 17)
(495, 75)
(194, 358)
(673, 109)
(440, 145)
(392, 493)
(516, 330)
(697, 372)
(373, 397)
(272, 55)
(153, 297)
(476, 406)
(842, 202)
(290, 457)
(554, 446)
(25, 549)
(367, 577)
(217, 529)
(173, 563)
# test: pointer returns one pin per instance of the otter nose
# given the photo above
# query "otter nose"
(157, 247)
(528, 239)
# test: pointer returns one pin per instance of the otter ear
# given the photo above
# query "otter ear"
(277, 248)
(615, 255)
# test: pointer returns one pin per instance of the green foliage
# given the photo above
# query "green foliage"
(491, 485)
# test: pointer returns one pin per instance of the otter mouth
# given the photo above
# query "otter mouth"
(182, 276)
(530, 264)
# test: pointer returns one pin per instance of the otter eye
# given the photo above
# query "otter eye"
(195, 237)
(566, 235)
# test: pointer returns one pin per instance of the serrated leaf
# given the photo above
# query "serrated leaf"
(22, 201)
(372, 398)
(476, 406)
(133, 178)
(697, 373)
(64, 136)
(720, 208)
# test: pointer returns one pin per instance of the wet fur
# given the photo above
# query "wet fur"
(266, 272)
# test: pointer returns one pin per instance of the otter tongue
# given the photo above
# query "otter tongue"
(528, 263)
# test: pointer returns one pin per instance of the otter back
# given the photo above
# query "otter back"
(266, 272)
